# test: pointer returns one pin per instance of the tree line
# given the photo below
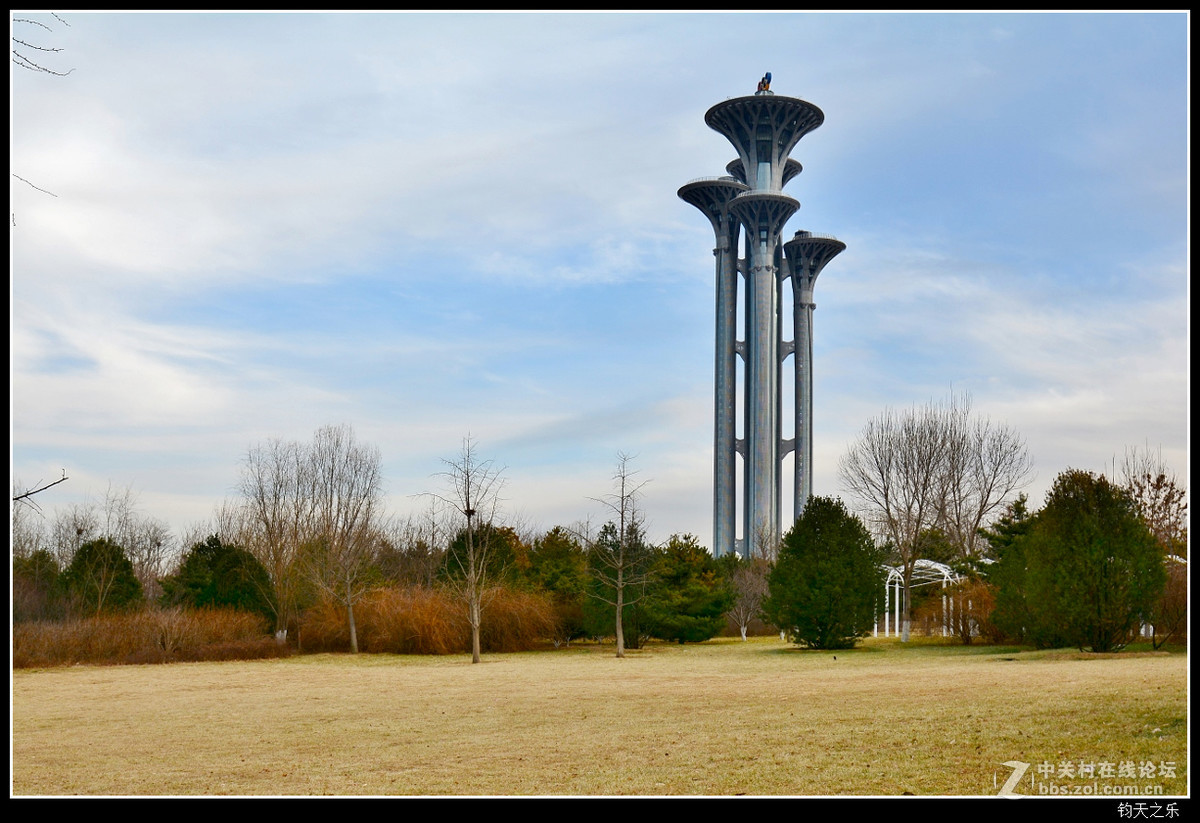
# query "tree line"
(1103, 557)
(1085, 571)
(307, 540)
(308, 535)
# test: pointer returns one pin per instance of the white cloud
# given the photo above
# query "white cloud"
(432, 224)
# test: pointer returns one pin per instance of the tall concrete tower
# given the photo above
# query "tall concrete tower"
(748, 205)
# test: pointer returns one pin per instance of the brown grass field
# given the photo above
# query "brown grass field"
(719, 718)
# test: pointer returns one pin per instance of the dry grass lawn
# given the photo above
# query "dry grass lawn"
(720, 718)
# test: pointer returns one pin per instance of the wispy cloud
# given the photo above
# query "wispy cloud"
(429, 224)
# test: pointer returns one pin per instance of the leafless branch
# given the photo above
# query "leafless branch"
(616, 560)
(38, 188)
(26, 496)
(474, 487)
(933, 467)
(32, 65)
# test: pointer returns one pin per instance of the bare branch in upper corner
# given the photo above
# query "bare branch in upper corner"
(25, 497)
(27, 183)
(18, 45)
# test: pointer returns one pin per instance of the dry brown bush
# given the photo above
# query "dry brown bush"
(515, 621)
(151, 636)
(324, 627)
(413, 620)
(963, 611)
(417, 620)
(970, 604)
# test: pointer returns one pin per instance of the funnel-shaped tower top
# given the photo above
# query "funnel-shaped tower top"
(712, 195)
(764, 128)
(807, 253)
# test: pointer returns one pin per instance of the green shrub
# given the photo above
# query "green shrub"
(100, 578)
(218, 575)
(689, 595)
(827, 586)
(1093, 569)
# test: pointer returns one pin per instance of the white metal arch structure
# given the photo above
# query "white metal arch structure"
(925, 573)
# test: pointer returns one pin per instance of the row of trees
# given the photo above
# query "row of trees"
(1101, 559)
(308, 528)
(89, 558)
(931, 480)
(1087, 570)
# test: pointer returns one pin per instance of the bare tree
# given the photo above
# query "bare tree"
(1169, 615)
(276, 492)
(150, 546)
(617, 552)
(932, 467)
(750, 586)
(893, 470)
(30, 56)
(73, 526)
(414, 546)
(345, 484)
(984, 466)
(1161, 501)
(1160, 497)
(28, 528)
(473, 489)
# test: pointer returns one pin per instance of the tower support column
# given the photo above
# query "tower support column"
(762, 215)
(807, 254)
(712, 196)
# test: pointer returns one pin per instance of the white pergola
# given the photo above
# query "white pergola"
(925, 573)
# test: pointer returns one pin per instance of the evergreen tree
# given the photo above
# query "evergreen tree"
(506, 561)
(37, 587)
(217, 574)
(1093, 568)
(558, 566)
(689, 596)
(1012, 615)
(100, 578)
(827, 587)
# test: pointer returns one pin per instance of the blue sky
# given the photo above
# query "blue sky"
(429, 225)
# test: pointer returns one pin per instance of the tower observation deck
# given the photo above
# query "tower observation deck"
(748, 209)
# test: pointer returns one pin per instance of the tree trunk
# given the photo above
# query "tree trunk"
(475, 650)
(620, 622)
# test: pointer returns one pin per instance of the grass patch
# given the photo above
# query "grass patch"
(719, 718)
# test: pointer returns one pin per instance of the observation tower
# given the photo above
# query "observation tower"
(748, 209)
